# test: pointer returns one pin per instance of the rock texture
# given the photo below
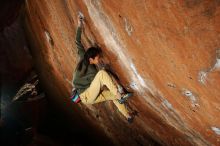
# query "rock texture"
(165, 51)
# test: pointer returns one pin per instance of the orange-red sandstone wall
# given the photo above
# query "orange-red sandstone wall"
(167, 52)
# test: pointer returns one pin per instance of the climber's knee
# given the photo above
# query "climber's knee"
(102, 73)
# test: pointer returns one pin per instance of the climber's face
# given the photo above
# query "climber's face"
(95, 60)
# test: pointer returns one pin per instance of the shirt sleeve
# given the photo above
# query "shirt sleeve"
(81, 49)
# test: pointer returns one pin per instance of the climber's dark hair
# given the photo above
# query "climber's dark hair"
(92, 52)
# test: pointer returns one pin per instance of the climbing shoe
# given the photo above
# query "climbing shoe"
(75, 96)
(130, 120)
(125, 97)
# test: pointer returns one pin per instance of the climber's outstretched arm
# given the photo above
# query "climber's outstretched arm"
(81, 49)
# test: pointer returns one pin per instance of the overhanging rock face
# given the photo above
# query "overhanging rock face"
(167, 52)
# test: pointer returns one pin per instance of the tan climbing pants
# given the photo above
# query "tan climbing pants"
(92, 94)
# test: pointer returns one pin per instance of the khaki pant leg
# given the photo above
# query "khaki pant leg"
(107, 95)
(91, 93)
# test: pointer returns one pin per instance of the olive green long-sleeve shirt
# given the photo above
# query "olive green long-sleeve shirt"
(82, 82)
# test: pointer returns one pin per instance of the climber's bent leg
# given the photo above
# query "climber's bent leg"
(90, 95)
(107, 95)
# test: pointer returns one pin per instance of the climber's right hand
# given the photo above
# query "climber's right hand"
(80, 19)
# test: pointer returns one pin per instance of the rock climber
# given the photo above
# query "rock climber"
(88, 80)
